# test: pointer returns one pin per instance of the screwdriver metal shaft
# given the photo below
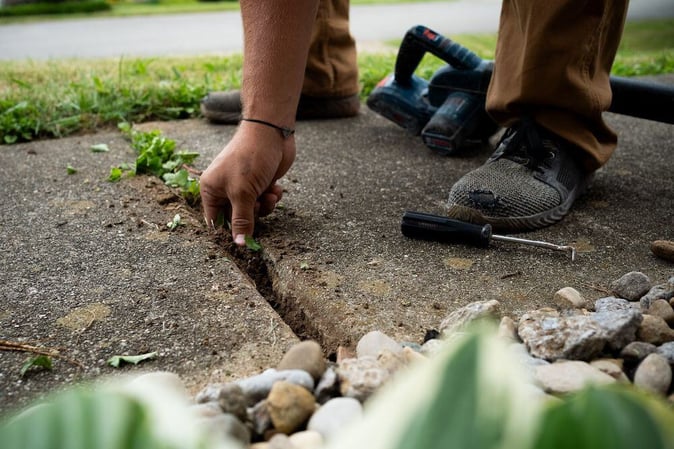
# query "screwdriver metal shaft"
(436, 227)
(566, 248)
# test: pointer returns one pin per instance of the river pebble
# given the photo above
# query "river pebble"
(569, 298)
(655, 330)
(621, 337)
(290, 406)
(569, 376)
(631, 286)
(661, 308)
(307, 356)
(372, 343)
(334, 416)
(654, 374)
(459, 319)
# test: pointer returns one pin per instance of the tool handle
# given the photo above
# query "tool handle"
(418, 40)
(644, 99)
(419, 225)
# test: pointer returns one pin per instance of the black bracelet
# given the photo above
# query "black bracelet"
(285, 132)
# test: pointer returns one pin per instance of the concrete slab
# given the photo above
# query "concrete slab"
(89, 268)
(340, 266)
(334, 265)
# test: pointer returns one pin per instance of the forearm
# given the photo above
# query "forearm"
(277, 34)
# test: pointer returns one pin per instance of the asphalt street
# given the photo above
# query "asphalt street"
(221, 33)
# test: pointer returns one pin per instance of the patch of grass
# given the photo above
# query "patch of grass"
(157, 156)
(68, 7)
(57, 98)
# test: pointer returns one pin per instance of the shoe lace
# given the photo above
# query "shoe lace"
(524, 144)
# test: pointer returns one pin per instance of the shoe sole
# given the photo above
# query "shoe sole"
(520, 224)
(221, 117)
(308, 109)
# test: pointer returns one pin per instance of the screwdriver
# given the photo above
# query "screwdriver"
(424, 226)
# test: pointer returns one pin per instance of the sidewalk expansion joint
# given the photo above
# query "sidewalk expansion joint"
(262, 273)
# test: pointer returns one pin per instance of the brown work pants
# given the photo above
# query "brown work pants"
(332, 69)
(553, 60)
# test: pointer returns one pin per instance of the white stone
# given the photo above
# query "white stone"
(569, 298)
(334, 416)
(654, 374)
(569, 376)
(372, 343)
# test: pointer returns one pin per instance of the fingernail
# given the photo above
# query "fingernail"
(240, 239)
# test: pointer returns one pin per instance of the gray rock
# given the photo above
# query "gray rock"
(550, 336)
(569, 298)
(328, 386)
(290, 406)
(637, 351)
(667, 351)
(227, 425)
(459, 319)
(258, 416)
(306, 355)
(334, 415)
(361, 377)
(655, 330)
(569, 376)
(654, 374)
(258, 387)
(613, 304)
(232, 400)
(620, 326)
(372, 343)
(661, 308)
(631, 286)
(660, 291)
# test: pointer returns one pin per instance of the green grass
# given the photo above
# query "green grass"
(57, 98)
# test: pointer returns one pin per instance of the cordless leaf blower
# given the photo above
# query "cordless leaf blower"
(449, 110)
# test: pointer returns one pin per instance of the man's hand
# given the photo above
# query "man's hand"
(241, 180)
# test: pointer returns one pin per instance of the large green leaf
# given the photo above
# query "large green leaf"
(82, 419)
(141, 414)
(470, 396)
(614, 417)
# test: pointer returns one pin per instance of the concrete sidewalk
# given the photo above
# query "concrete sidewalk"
(89, 267)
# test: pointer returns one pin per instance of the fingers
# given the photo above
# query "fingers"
(243, 219)
(211, 210)
(268, 200)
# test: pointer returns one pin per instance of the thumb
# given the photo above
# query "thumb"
(243, 220)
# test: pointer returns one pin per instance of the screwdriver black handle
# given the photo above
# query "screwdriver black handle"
(419, 225)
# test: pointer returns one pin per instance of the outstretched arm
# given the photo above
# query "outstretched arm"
(241, 180)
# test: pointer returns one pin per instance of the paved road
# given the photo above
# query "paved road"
(207, 33)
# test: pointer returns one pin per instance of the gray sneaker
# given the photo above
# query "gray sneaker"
(225, 107)
(529, 182)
